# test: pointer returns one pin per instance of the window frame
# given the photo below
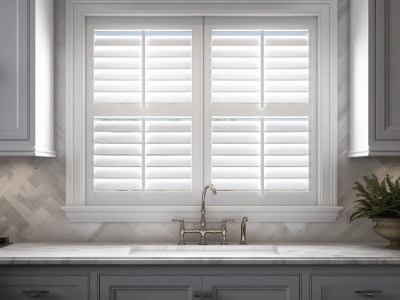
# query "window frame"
(77, 208)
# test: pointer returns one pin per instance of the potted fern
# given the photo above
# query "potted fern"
(380, 202)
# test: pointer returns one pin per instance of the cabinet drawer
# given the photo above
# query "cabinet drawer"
(149, 287)
(355, 287)
(274, 287)
(44, 287)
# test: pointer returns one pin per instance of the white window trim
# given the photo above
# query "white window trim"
(77, 10)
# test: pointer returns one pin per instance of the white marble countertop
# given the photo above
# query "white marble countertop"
(131, 254)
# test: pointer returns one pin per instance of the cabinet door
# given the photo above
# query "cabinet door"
(251, 287)
(387, 70)
(14, 70)
(355, 287)
(47, 287)
(149, 287)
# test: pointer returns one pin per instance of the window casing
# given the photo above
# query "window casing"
(303, 125)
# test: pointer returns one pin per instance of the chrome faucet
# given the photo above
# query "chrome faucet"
(203, 230)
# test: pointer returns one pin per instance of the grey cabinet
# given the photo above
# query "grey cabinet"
(114, 281)
(46, 287)
(375, 77)
(26, 78)
(252, 287)
(149, 287)
(355, 287)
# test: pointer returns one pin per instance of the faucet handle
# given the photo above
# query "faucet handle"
(228, 220)
(178, 220)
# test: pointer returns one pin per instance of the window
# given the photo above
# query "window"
(163, 105)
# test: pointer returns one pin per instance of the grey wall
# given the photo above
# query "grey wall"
(32, 190)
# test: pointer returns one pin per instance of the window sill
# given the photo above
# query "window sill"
(263, 214)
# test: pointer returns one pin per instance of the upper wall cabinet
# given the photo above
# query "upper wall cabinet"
(375, 78)
(26, 78)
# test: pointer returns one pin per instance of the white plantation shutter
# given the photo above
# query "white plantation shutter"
(117, 68)
(236, 154)
(122, 162)
(168, 67)
(118, 155)
(236, 67)
(259, 111)
(286, 154)
(151, 139)
(142, 113)
(168, 158)
(286, 67)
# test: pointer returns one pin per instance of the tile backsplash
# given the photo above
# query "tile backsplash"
(32, 190)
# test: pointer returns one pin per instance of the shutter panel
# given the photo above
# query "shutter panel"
(236, 66)
(252, 153)
(117, 74)
(145, 153)
(286, 67)
(117, 154)
(286, 154)
(236, 154)
(168, 154)
(168, 67)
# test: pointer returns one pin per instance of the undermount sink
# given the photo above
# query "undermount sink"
(203, 250)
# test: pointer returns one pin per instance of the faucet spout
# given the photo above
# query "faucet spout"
(203, 205)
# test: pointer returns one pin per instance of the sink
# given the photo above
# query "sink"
(229, 251)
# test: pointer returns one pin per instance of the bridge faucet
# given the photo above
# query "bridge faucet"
(203, 230)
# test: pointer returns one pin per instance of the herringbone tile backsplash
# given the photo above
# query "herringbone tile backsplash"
(32, 190)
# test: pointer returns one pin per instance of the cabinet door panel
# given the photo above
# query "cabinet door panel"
(355, 287)
(388, 70)
(148, 287)
(14, 70)
(253, 287)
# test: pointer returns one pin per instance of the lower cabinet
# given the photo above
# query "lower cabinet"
(46, 287)
(200, 287)
(355, 287)
(200, 282)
